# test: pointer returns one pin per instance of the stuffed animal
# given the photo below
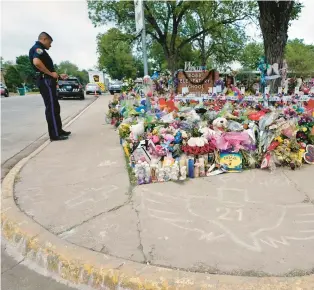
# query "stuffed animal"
(178, 137)
(273, 69)
(174, 175)
(142, 172)
(220, 124)
(168, 138)
(137, 130)
(183, 173)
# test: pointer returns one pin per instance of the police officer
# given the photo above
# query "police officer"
(46, 78)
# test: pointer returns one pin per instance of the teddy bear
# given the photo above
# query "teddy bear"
(220, 124)
(175, 171)
(183, 173)
(137, 130)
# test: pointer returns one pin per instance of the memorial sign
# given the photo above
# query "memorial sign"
(198, 82)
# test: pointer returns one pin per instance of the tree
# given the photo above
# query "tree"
(274, 19)
(157, 55)
(115, 54)
(67, 67)
(171, 23)
(300, 57)
(250, 55)
(83, 76)
(25, 70)
(12, 78)
(5, 64)
(72, 69)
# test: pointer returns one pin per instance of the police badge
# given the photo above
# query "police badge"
(39, 51)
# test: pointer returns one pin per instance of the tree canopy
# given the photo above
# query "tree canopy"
(300, 57)
(177, 24)
(25, 69)
(115, 54)
(250, 55)
(12, 78)
(72, 69)
(22, 73)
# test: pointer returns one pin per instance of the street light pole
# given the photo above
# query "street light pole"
(144, 42)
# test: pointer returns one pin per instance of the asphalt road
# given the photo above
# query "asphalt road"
(23, 121)
(23, 124)
(16, 276)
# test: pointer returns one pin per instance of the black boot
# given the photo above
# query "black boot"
(59, 138)
(65, 133)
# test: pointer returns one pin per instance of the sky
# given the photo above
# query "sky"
(73, 33)
(66, 21)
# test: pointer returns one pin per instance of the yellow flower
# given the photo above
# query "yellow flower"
(304, 129)
(279, 139)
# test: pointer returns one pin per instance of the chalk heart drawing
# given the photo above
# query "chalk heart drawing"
(230, 214)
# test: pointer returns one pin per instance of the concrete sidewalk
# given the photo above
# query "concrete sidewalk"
(233, 231)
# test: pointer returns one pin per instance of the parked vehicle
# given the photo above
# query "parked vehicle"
(91, 88)
(115, 87)
(70, 87)
(4, 90)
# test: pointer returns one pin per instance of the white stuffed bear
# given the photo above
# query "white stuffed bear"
(220, 124)
(137, 130)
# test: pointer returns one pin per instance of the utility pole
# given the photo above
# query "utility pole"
(144, 48)
(140, 27)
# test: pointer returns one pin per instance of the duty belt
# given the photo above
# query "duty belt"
(41, 75)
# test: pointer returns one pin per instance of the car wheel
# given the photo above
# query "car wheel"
(6, 95)
(111, 92)
(82, 97)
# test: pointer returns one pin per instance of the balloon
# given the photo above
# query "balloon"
(306, 91)
(256, 116)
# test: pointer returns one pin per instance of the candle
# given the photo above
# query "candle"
(191, 168)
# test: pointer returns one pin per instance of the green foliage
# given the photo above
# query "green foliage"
(25, 69)
(72, 69)
(12, 78)
(300, 58)
(5, 64)
(176, 25)
(67, 67)
(115, 54)
(250, 55)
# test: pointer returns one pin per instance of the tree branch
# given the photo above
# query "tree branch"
(205, 31)
(151, 19)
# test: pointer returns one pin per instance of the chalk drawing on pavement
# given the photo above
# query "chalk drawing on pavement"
(230, 214)
(91, 195)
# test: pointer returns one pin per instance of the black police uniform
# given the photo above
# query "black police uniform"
(48, 89)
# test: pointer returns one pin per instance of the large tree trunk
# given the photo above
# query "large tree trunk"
(172, 62)
(274, 21)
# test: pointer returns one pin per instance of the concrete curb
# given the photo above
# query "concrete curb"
(82, 266)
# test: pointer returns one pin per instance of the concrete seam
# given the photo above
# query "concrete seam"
(93, 217)
(139, 232)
